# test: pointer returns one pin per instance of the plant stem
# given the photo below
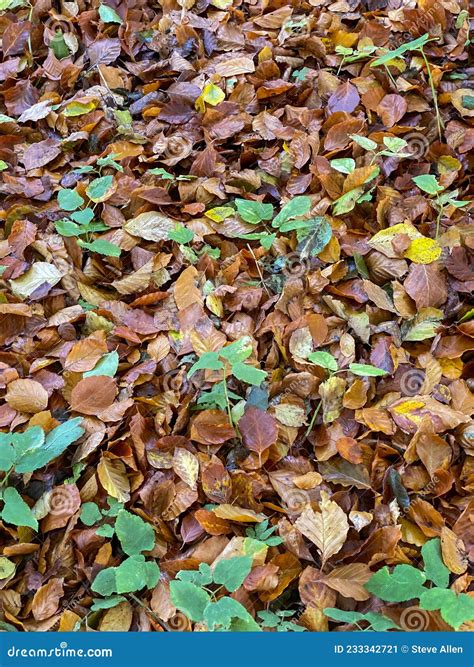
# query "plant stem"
(439, 122)
(147, 608)
(313, 419)
(229, 413)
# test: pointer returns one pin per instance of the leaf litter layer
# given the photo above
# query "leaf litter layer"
(236, 327)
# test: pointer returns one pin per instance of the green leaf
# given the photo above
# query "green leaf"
(395, 144)
(135, 535)
(248, 374)
(16, 511)
(109, 15)
(345, 165)
(253, 211)
(131, 575)
(428, 183)
(295, 208)
(366, 370)
(6, 119)
(68, 228)
(98, 188)
(222, 612)
(59, 46)
(315, 239)
(32, 454)
(107, 365)
(83, 216)
(189, 599)
(105, 583)
(106, 530)
(435, 598)
(162, 173)
(435, 569)
(69, 200)
(458, 611)
(7, 456)
(3, 165)
(347, 202)
(240, 350)
(181, 234)
(364, 142)
(102, 247)
(231, 572)
(361, 266)
(455, 609)
(405, 583)
(343, 616)
(90, 514)
(107, 603)
(7, 567)
(201, 577)
(409, 46)
(379, 622)
(207, 361)
(323, 359)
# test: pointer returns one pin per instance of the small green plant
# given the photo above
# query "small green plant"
(353, 55)
(24, 453)
(416, 45)
(91, 514)
(327, 361)
(375, 622)
(264, 534)
(406, 582)
(134, 573)
(429, 184)
(230, 360)
(198, 594)
(80, 222)
(276, 620)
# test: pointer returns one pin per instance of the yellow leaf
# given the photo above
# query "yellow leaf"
(211, 94)
(382, 241)
(186, 466)
(236, 513)
(113, 477)
(79, 108)
(219, 213)
(423, 251)
(326, 529)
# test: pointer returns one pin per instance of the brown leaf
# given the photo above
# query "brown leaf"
(46, 599)
(26, 396)
(258, 428)
(426, 285)
(326, 529)
(93, 394)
